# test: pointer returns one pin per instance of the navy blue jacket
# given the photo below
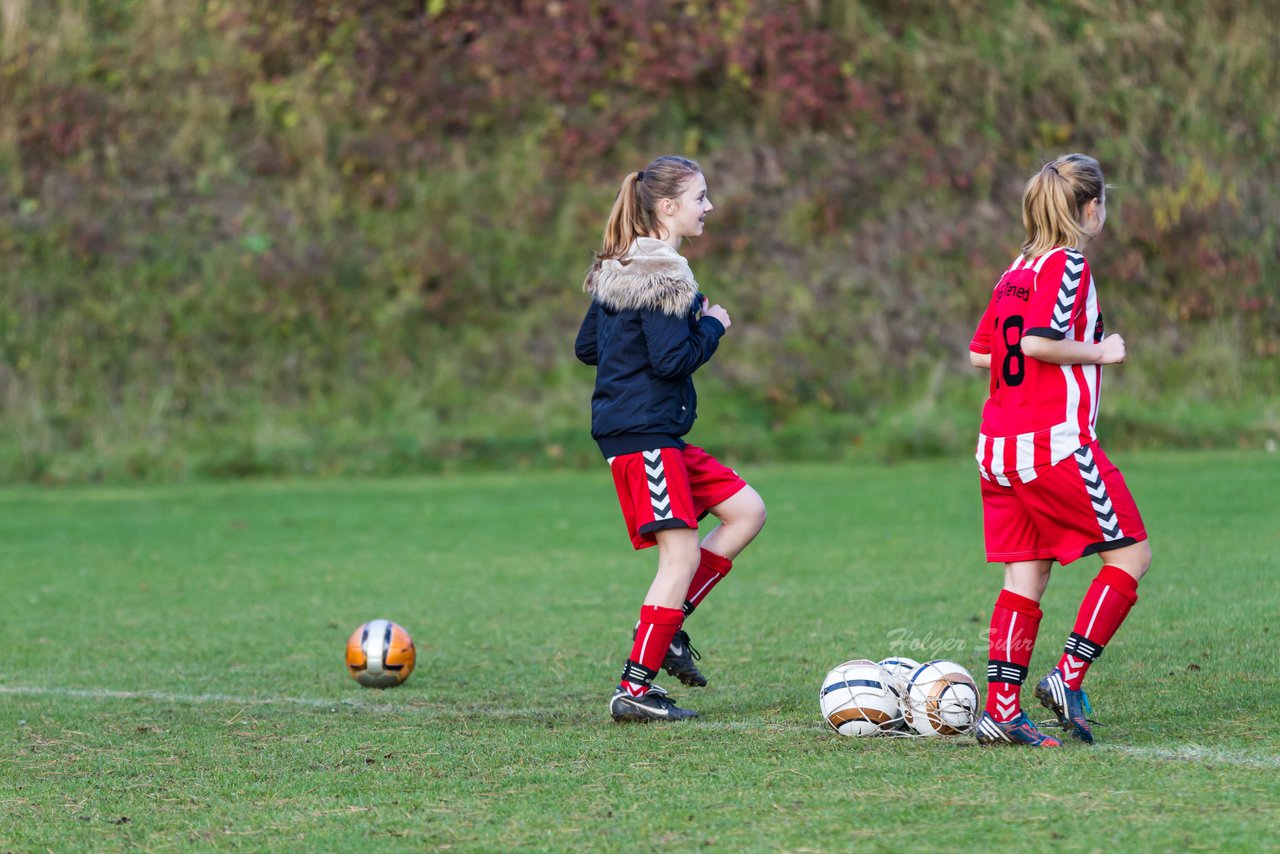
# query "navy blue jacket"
(644, 334)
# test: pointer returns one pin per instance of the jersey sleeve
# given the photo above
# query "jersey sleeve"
(1060, 296)
(981, 341)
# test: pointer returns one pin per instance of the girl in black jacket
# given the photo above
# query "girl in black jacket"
(647, 330)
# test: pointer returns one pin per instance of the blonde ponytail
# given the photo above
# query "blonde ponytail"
(1053, 203)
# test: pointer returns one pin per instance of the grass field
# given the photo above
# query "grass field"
(171, 670)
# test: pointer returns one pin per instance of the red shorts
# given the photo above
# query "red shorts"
(669, 488)
(1077, 507)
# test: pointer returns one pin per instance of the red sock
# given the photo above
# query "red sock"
(1104, 608)
(711, 569)
(1014, 624)
(657, 627)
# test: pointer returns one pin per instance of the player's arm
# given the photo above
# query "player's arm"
(675, 349)
(585, 346)
(1068, 351)
(980, 344)
(1059, 301)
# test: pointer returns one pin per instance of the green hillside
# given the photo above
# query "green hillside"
(296, 237)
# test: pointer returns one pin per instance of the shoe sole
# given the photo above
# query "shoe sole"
(1045, 696)
(698, 681)
(992, 741)
(1004, 742)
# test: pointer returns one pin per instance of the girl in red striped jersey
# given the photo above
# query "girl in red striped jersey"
(1049, 493)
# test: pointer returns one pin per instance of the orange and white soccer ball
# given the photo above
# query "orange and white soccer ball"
(380, 654)
(941, 699)
(857, 699)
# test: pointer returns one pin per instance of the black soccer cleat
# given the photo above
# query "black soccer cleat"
(1070, 707)
(653, 706)
(1020, 730)
(679, 661)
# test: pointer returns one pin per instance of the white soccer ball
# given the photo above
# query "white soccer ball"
(941, 699)
(857, 699)
(898, 670)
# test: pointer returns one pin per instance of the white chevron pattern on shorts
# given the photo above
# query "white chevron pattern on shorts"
(1071, 273)
(658, 495)
(1108, 521)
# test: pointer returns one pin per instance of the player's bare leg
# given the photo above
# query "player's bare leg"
(741, 517)
(678, 555)
(1135, 559)
(1027, 577)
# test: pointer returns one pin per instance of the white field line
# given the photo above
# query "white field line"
(1196, 753)
(1189, 753)
(196, 699)
(420, 709)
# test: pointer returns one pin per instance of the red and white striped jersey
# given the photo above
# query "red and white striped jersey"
(1038, 413)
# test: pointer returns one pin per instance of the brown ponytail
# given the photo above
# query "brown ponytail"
(633, 209)
(628, 220)
(1054, 200)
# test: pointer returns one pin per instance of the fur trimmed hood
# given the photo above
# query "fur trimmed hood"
(651, 276)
